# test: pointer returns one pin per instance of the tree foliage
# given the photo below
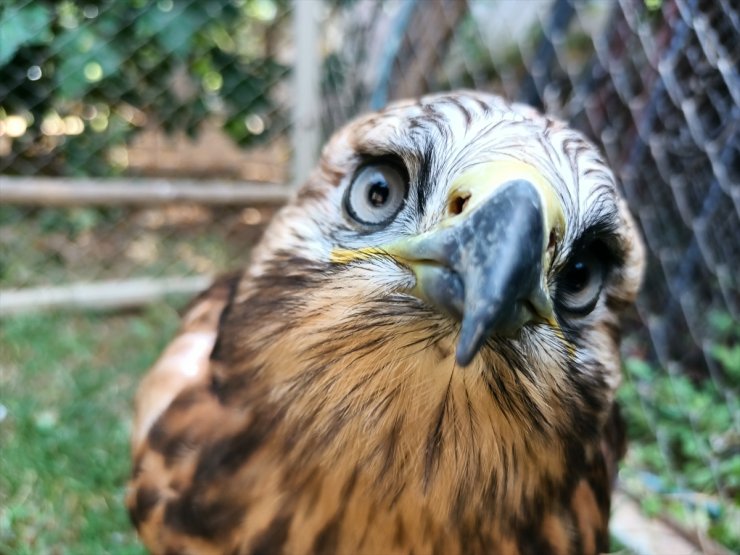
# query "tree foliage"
(85, 76)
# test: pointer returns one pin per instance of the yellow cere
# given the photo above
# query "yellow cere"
(486, 178)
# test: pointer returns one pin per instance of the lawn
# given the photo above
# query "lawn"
(66, 388)
(67, 380)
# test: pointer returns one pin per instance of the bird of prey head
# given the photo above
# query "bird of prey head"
(421, 357)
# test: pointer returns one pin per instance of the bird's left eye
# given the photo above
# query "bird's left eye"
(376, 194)
(579, 284)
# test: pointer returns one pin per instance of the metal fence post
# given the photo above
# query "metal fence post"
(307, 107)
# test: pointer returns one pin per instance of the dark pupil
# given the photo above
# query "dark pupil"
(579, 276)
(378, 193)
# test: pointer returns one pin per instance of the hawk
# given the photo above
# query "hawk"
(420, 358)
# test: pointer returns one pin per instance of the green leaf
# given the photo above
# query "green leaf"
(721, 322)
(173, 29)
(22, 25)
(85, 59)
(729, 358)
(638, 368)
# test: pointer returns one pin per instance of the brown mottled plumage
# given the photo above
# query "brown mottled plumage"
(315, 404)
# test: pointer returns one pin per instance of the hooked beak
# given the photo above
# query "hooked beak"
(486, 263)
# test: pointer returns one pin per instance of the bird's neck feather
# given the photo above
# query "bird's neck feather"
(354, 393)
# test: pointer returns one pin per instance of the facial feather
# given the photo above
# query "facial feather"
(335, 418)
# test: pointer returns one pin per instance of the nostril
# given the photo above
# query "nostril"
(457, 204)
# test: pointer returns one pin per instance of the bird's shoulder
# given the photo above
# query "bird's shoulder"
(177, 416)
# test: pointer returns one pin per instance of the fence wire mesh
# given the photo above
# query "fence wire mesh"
(93, 88)
(195, 89)
(177, 88)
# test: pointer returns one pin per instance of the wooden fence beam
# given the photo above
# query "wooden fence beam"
(56, 191)
(101, 295)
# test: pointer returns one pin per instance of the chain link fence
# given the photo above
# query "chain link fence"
(143, 90)
(183, 89)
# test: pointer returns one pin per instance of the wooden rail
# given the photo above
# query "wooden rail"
(100, 295)
(55, 191)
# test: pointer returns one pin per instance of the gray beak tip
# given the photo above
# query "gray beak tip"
(471, 338)
(464, 357)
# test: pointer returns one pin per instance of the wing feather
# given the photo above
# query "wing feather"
(175, 413)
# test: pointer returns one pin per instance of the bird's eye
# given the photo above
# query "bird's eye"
(579, 284)
(376, 194)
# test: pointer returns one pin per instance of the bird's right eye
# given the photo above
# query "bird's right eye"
(581, 282)
(376, 195)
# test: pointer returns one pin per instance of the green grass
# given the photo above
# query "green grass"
(67, 380)
(67, 383)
